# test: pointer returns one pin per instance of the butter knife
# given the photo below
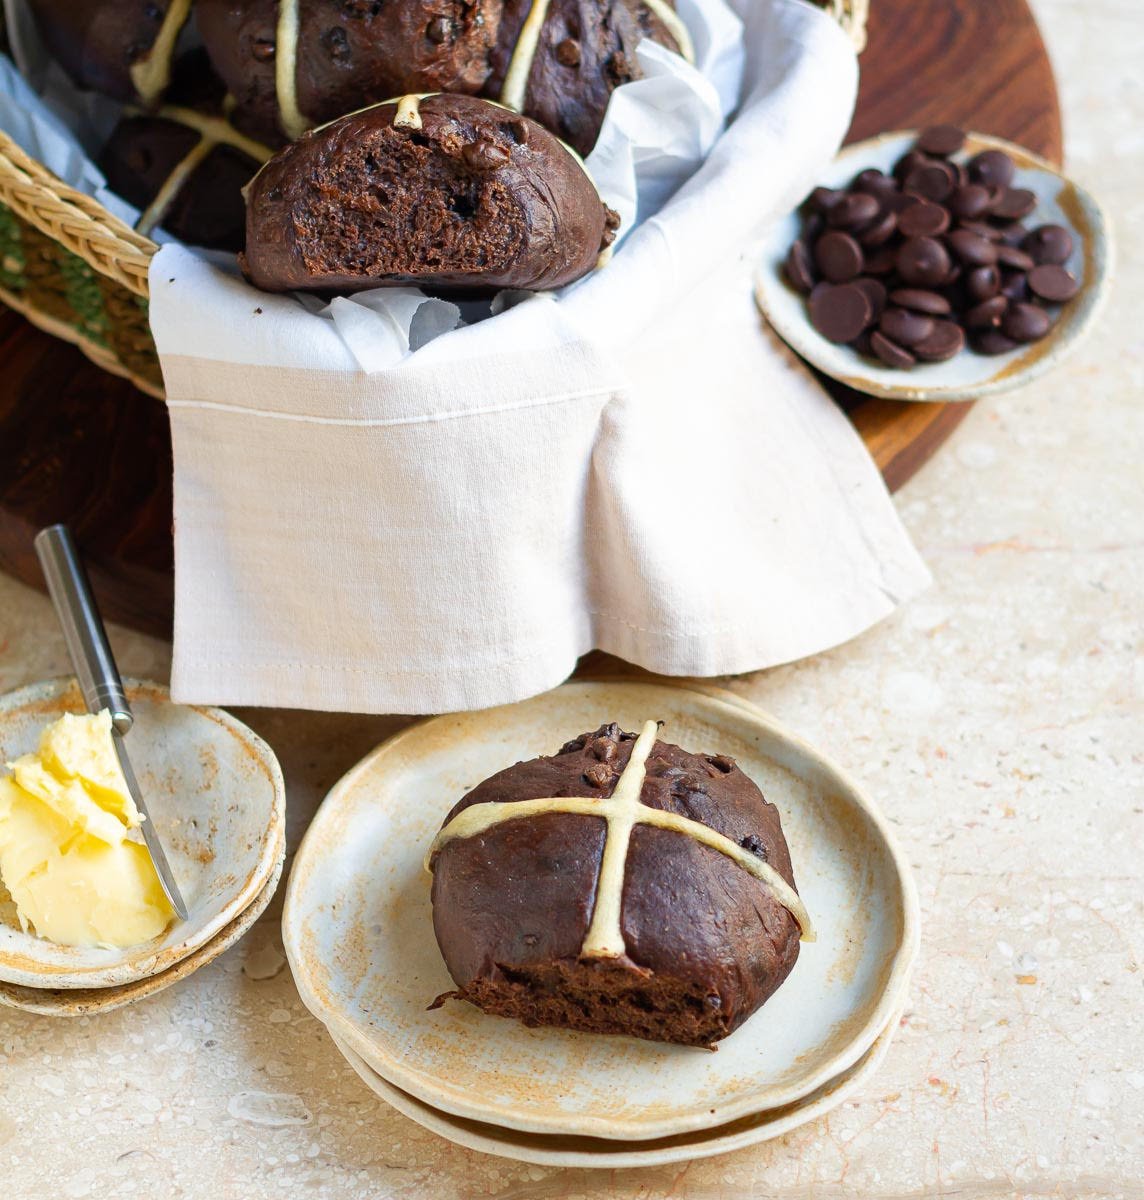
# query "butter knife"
(97, 674)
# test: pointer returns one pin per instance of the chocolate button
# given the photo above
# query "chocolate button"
(909, 161)
(974, 251)
(1013, 234)
(1015, 204)
(1053, 283)
(923, 260)
(934, 182)
(989, 232)
(942, 141)
(921, 301)
(882, 261)
(838, 255)
(799, 272)
(875, 292)
(1011, 256)
(992, 341)
(822, 198)
(944, 341)
(1014, 285)
(874, 182)
(983, 282)
(855, 209)
(969, 201)
(840, 313)
(994, 168)
(890, 353)
(905, 327)
(880, 231)
(987, 314)
(923, 219)
(1025, 323)
(1048, 244)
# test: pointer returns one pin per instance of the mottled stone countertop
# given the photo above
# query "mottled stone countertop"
(999, 720)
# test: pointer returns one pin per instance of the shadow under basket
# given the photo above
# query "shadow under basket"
(79, 273)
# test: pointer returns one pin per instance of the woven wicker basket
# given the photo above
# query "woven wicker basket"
(81, 274)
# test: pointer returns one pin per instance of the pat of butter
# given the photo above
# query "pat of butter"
(65, 856)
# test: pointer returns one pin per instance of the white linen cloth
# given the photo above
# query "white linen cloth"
(373, 514)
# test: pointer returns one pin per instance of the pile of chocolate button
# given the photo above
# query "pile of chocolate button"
(907, 266)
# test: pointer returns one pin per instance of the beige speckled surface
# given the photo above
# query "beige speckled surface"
(999, 722)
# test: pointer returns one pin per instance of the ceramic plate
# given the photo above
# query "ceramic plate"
(357, 927)
(555, 1150)
(215, 793)
(968, 375)
(86, 1002)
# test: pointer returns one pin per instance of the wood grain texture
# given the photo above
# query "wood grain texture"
(81, 446)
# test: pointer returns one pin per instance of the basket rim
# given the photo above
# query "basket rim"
(78, 221)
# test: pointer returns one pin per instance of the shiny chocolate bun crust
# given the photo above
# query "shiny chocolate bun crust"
(705, 942)
(122, 48)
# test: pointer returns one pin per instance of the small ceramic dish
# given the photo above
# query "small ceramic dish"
(87, 1002)
(967, 376)
(357, 928)
(555, 1150)
(216, 796)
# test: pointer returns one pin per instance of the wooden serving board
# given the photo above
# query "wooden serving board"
(81, 446)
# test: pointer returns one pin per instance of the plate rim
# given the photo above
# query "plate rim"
(1104, 258)
(429, 1088)
(140, 967)
(101, 1000)
(634, 1155)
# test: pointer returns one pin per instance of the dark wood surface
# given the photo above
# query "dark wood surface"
(81, 446)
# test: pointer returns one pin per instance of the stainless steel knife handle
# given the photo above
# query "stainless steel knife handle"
(83, 629)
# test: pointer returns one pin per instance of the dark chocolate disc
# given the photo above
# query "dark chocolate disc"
(905, 327)
(841, 312)
(1048, 244)
(923, 219)
(1025, 323)
(919, 300)
(974, 251)
(855, 209)
(987, 314)
(994, 168)
(879, 231)
(944, 341)
(1053, 283)
(1015, 204)
(799, 271)
(923, 261)
(875, 291)
(934, 181)
(992, 341)
(1014, 258)
(969, 202)
(838, 256)
(890, 352)
(942, 141)
(983, 282)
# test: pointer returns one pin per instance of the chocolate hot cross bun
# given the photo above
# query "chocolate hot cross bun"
(294, 64)
(444, 191)
(122, 48)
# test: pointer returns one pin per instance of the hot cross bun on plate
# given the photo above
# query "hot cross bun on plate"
(622, 885)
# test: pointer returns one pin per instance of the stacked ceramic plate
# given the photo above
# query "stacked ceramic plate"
(216, 796)
(358, 932)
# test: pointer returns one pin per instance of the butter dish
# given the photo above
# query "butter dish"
(217, 798)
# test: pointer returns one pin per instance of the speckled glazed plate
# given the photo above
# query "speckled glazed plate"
(968, 375)
(215, 793)
(357, 927)
(556, 1150)
(87, 1002)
